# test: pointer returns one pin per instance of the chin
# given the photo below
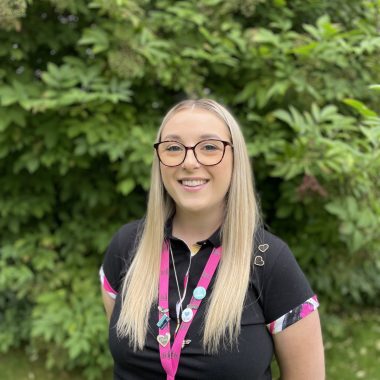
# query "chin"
(193, 206)
(195, 209)
(198, 208)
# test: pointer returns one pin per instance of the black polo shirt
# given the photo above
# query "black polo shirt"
(278, 289)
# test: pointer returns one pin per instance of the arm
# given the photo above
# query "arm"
(108, 303)
(299, 350)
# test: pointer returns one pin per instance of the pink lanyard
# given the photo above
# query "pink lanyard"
(170, 356)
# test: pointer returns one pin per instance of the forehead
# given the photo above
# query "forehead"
(195, 124)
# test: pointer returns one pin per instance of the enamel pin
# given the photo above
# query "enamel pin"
(162, 310)
(163, 321)
(163, 339)
(263, 247)
(199, 293)
(187, 315)
(259, 261)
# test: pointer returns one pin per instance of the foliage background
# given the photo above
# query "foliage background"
(83, 88)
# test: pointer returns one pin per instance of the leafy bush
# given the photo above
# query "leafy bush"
(83, 88)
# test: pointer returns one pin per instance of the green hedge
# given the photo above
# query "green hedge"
(83, 88)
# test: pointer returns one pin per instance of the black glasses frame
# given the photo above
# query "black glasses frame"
(187, 148)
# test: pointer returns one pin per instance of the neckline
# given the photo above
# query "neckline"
(215, 238)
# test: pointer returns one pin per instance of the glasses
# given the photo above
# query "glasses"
(207, 152)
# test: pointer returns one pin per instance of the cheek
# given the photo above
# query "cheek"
(227, 169)
(224, 175)
(167, 177)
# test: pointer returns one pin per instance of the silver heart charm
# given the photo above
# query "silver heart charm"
(163, 339)
(263, 247)
(259, 261)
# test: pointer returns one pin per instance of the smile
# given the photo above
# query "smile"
(193, 182)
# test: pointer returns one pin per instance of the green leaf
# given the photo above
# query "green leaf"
(96, 37)
(336, 209)
(352, 207)
(283, 116)
(126, 186)
(263, 35)
(360, 107)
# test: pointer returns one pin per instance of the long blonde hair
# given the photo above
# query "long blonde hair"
(224, 309)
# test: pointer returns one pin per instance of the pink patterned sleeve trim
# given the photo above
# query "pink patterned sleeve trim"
(293, 315)
(106, 285)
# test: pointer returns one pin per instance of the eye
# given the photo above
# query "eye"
(211, 146)
(173, 147)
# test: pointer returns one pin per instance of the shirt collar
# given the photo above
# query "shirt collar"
(215, 239)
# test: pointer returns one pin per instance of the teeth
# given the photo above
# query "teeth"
(193, 183)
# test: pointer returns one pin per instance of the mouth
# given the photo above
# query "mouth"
(193, 182)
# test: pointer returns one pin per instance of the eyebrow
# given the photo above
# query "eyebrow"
(205, 136)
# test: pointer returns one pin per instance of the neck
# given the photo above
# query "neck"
(192, 227)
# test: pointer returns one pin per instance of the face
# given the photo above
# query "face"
(196, 188)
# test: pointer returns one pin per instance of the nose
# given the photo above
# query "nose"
(190, 160)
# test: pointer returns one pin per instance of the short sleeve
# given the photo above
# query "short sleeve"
(117, 258)
(286, 293)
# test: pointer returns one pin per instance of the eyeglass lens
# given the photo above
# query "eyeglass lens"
(207, 152)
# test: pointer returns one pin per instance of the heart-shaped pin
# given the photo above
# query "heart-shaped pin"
(163, 339)
(259, 261)
(263, 247)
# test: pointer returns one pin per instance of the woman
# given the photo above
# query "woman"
(186, 294)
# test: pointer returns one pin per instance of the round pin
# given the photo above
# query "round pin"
(199, 293)
(187, 315)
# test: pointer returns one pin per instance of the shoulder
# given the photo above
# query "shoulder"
(274, 264)
(277, 277)
(119, 255)
(124, 241)
(128, 234)
(269, 246)
(263, 236)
